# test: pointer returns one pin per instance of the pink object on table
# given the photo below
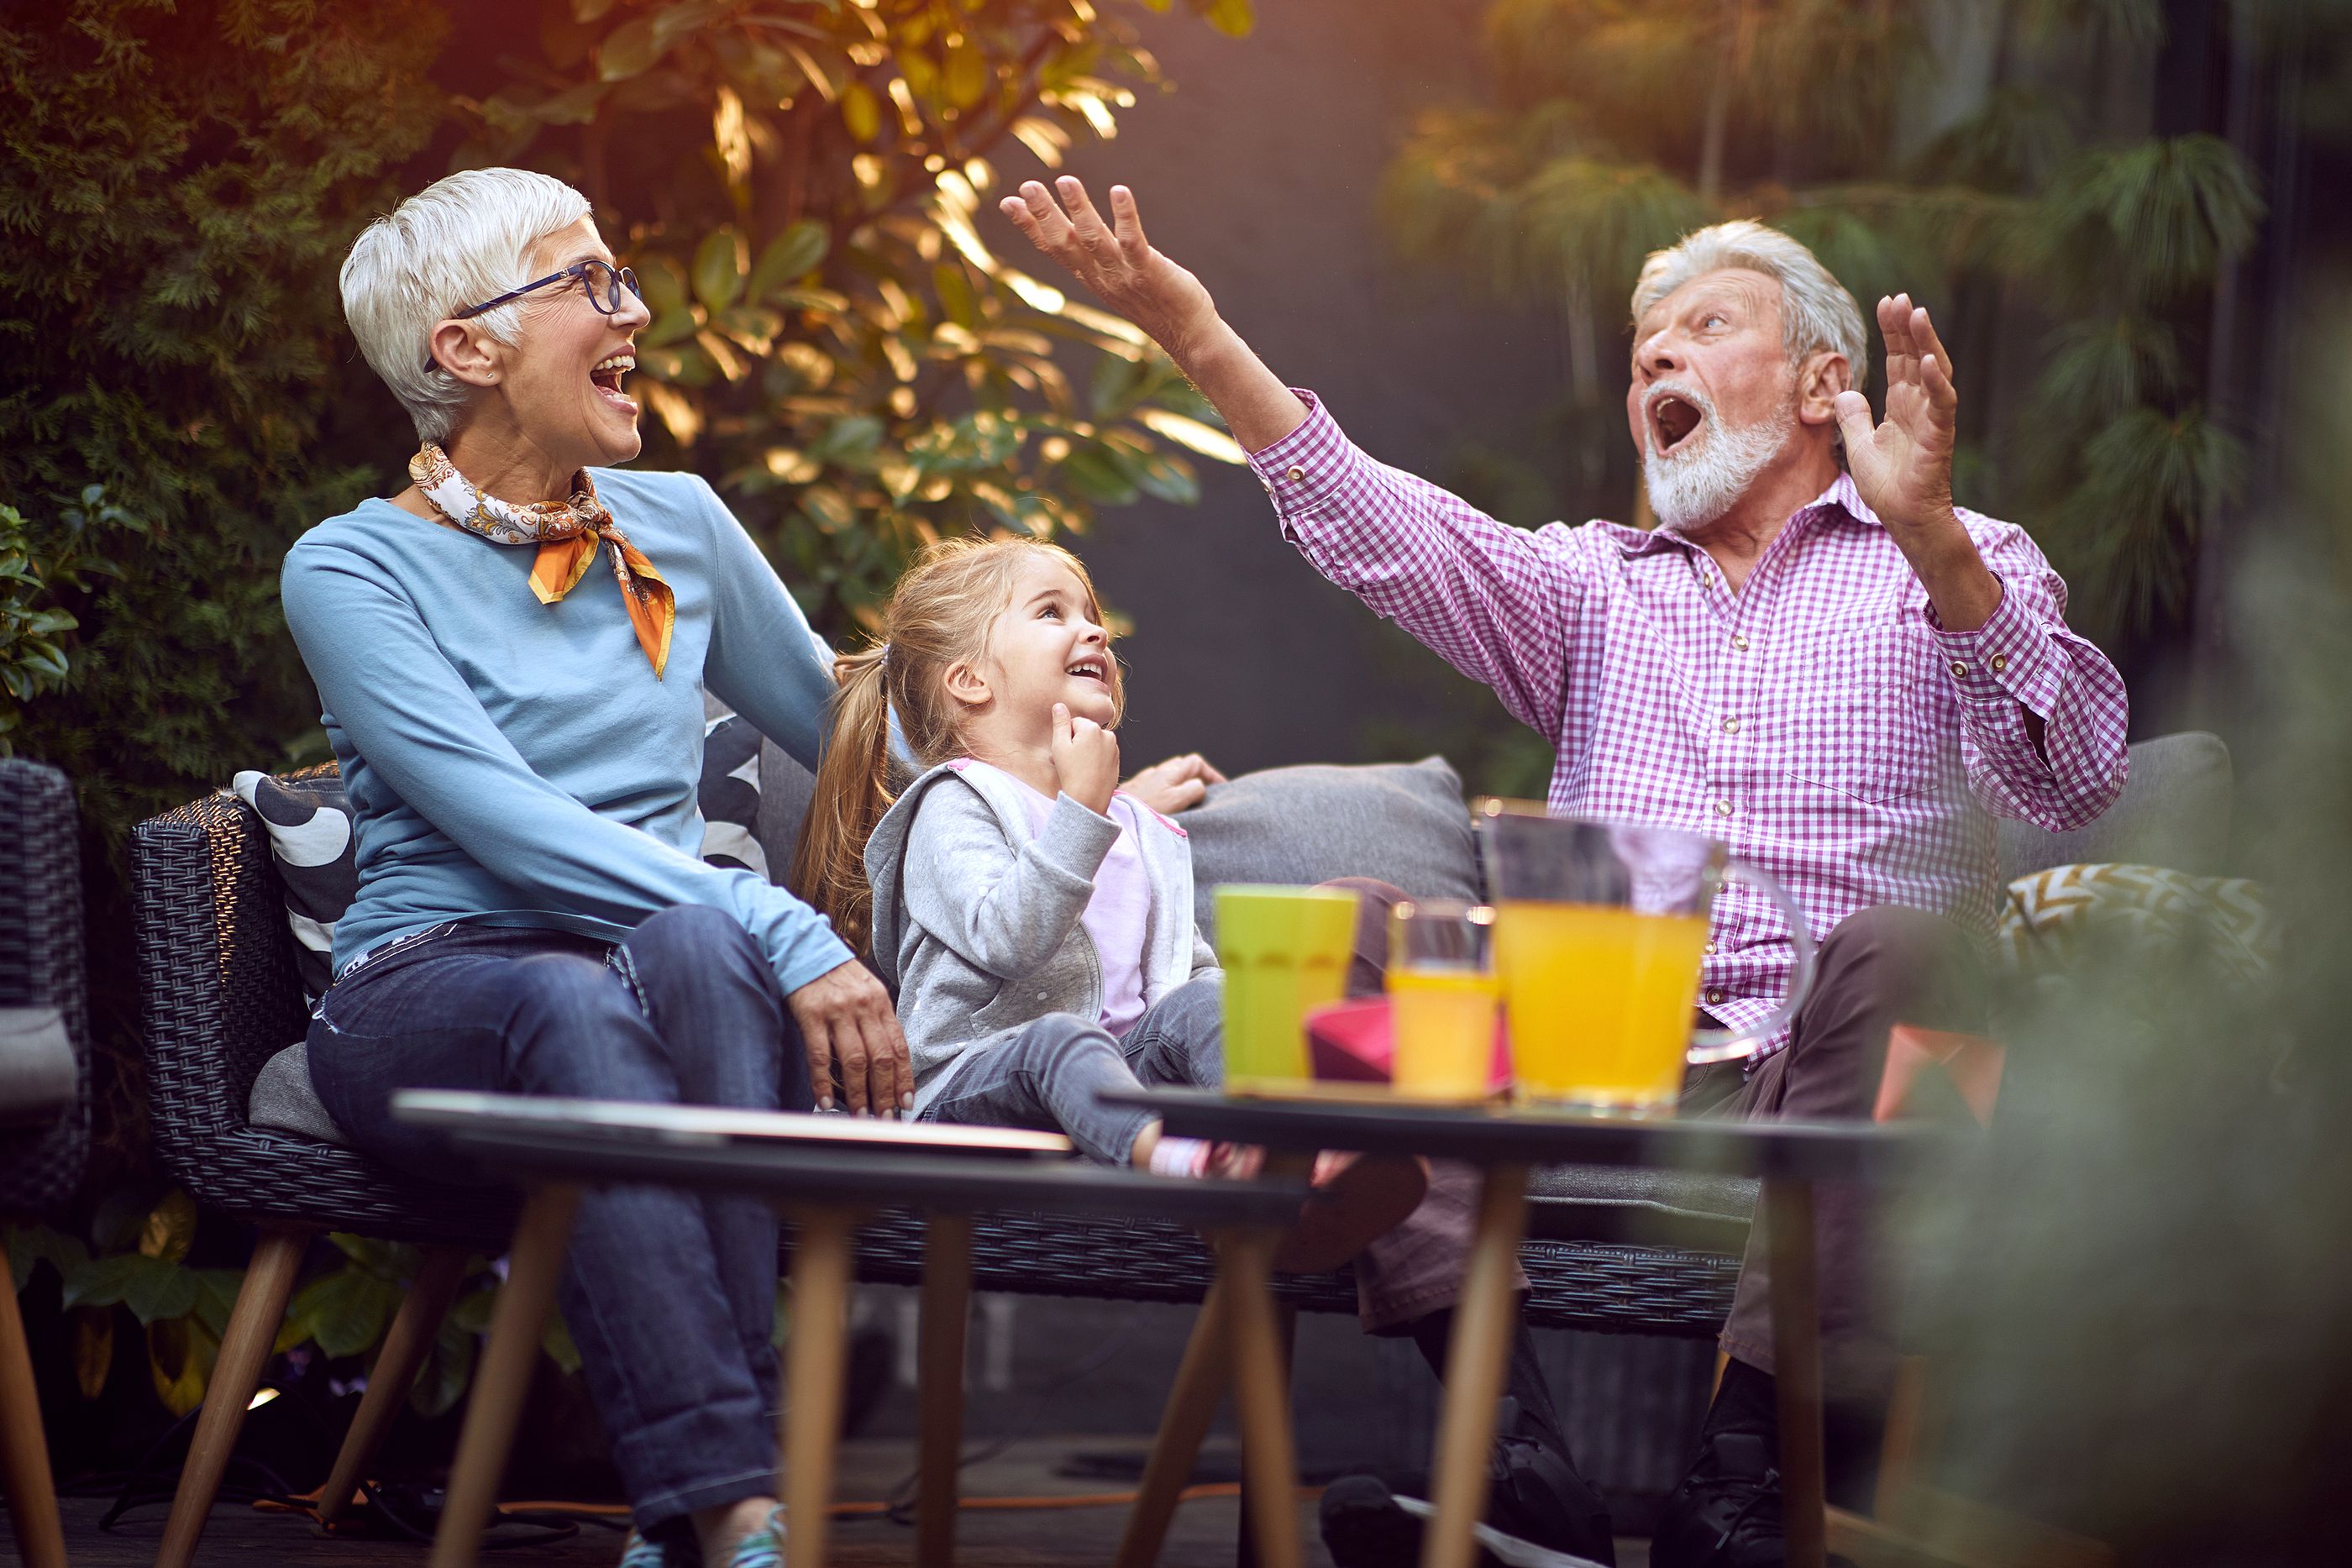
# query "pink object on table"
(1352, 1042)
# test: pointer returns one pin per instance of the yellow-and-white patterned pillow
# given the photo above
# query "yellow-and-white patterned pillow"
(2047, 913)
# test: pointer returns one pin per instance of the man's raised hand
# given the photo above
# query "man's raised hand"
(1903, 466)
(1115, 260)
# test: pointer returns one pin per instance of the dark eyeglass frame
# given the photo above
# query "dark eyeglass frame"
(609, 305)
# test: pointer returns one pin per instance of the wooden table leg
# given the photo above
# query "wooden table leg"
(1797, 1366)
(405, 1345)
(821, 1272)
(1262, 1394)
(947, 1301)
(502, 1377)
(1483, 1322)
(1192, 1403)
(1286, 1335)
(243, 1352)
(23, 1448)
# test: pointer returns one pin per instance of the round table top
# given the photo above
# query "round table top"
(825, 1160)
(1491, 1135)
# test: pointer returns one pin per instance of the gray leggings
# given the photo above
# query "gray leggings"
(1048, 1075)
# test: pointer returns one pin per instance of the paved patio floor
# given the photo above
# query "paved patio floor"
(987, 1537)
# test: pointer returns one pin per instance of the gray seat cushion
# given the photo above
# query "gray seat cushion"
(284, 1102)
(39, 1075)
(1402, 822)
(2174, 812)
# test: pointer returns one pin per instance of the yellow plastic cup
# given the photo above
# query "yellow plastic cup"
(1285, 952)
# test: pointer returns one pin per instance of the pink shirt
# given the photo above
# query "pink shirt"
(1821, 721)
(1117, 918)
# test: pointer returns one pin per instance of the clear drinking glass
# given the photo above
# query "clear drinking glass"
(1600, 931)
(1442, 994)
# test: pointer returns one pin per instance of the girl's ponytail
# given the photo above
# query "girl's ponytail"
(853, 791)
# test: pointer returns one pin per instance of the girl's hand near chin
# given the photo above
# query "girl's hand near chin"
(1085, 760)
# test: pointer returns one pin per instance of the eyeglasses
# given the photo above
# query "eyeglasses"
(602, 281)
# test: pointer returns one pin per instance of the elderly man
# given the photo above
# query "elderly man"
(1815, 655)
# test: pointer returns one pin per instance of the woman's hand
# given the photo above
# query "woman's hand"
(845, 1016)
(1086, 760)
(1174, 785)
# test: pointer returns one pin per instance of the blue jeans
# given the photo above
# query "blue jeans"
(670, 1296)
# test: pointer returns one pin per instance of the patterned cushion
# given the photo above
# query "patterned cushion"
(731, 794)
(2049, 914)
(310, 823)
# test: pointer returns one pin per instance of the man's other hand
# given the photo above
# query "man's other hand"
(1175, 785)
(845, 1016)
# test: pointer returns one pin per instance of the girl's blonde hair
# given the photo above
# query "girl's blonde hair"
(938, 616)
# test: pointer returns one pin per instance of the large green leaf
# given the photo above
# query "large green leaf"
(788, 257)
(448, 1367)
(1095, 473)
(718, 268)
(628, 51)
(151, 1287)
(346, 1311)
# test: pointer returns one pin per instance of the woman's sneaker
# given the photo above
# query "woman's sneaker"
(764, 1547)
(636, 1551)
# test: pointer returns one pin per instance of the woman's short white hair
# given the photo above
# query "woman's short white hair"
(464, 238)
(1816, 310)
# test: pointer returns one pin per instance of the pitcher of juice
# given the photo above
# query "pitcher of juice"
(1600, 931)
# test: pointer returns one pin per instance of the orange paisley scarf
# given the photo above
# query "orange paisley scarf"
(567, 533)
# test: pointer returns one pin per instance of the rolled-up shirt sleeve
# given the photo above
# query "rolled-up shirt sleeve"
(2024, 659)
(1495, 601)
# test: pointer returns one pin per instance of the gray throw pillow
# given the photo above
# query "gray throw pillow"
(2174, 812)
(1402, 822)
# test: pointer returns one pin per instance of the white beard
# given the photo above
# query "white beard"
(1691, 489)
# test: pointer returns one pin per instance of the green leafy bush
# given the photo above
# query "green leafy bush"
(834, 345)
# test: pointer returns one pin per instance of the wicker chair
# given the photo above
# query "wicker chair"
(217, 978)
(40, 1164)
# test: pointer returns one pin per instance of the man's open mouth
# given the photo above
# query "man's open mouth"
(1674, 420)
(1092, 669)
(606, 374)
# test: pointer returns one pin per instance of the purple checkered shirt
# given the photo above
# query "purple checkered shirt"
(1822, 722)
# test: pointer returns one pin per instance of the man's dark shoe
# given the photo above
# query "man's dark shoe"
(1726, 1511)
(1534, 1495)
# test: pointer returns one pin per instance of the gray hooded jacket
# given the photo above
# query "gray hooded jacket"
(978, 925)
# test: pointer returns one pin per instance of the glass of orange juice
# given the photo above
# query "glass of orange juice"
(1599, 937)
(1442, 998)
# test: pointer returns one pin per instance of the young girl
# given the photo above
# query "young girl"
(1036, 922)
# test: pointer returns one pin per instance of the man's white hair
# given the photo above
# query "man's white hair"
(1816, 310)
(464, 238)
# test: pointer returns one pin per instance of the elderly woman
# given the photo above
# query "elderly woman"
(512, 654)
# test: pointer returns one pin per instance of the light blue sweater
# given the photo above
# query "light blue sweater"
(518, 763)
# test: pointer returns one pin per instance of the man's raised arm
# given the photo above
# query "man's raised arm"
(1495, 601)
(1168, 303)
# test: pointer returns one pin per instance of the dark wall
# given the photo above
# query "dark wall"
(1260, 172)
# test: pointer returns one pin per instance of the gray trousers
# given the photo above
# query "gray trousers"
(1048, 1075)
(1881, 966)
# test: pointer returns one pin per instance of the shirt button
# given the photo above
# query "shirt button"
(1709, 948)
(1959, 668)
(1740, 642)
(1723, 807)
(1998, 663)
(1730, 726)
(1295, 473)
(1714, 996)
